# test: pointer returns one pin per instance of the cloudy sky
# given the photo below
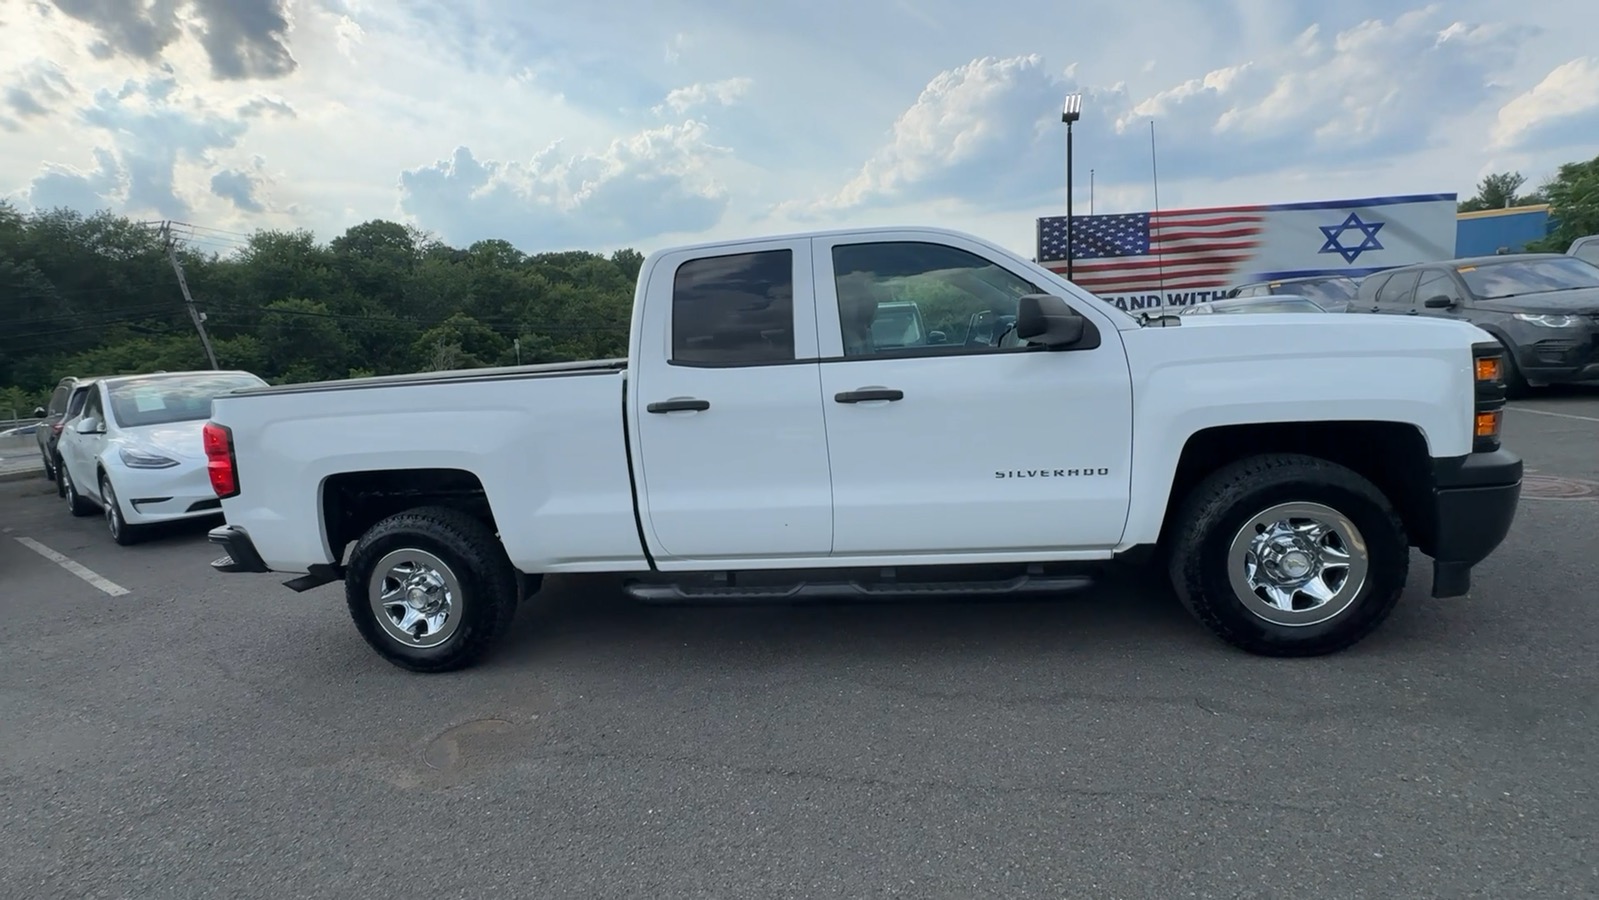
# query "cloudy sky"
(565, 125)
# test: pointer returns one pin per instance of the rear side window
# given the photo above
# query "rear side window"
(58, 401)
(735, 310)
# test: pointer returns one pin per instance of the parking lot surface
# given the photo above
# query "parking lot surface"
(205, 735)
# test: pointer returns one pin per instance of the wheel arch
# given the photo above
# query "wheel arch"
(352, 502)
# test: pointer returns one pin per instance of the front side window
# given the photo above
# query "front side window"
(1437, 284)
(735, 310)
(1587, 251)
(915, 298)
(1400, 291)
(163, 399)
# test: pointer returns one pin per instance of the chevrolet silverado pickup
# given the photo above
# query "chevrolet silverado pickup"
(758, 444)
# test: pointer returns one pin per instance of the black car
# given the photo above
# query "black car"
(1331, 292)
(1544, 307)
(66, 401)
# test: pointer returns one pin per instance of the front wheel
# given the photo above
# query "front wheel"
(1289, 555)
(431, 589)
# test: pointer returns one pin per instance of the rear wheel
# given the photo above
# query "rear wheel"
(75, 502)
(431, 589)
(1289, 555)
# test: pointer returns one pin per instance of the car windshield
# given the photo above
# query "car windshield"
(1529, 276)
(1268, 305)
(1336, 290)
(158, 400)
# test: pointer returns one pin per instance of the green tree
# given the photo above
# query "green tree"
(1499, 191)
(1573, 195)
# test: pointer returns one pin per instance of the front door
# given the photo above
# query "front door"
(79, 451)
(727, 407)
(960, 440)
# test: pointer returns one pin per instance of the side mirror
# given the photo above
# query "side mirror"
(1048, 320)
(937, 337)
(87, 425)
(39, 412)
(1438, 302)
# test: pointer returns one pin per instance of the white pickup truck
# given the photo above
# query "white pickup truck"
(762, 440)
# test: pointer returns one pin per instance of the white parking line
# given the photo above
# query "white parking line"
(87, 574)
(1545, 412)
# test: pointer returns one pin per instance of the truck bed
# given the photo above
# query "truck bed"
(547, 443)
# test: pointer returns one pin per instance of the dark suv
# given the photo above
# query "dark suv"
(65, 402)
(1544, 307)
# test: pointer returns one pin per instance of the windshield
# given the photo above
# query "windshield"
(1529, 276)
(1334, 290)
(160, 399)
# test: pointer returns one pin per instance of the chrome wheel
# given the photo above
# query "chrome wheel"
(415, 597)
(68, 489)
(1298, 564)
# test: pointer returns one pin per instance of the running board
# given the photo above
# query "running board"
(679, 594)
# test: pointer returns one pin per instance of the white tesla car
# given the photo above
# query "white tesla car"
(135, 450)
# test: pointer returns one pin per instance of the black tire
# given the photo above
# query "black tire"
(1213, 517)
(469, 552)
(116, 523)
(75, 503)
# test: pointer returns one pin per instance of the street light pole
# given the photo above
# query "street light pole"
(1070, 112)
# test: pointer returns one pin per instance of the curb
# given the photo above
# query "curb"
(22, 475)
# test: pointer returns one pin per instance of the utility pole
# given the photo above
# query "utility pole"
(183, 285)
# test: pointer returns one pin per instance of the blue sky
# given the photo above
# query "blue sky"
(559, 125)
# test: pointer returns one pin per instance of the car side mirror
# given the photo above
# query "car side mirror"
(1438, 302)
(87, 425)
(39, 412)
(937, 337)
(1051, 322)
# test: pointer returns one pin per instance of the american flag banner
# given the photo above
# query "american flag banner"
(1175, 257)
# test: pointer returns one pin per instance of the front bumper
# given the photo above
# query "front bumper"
(1556, 355)
(1474, 504)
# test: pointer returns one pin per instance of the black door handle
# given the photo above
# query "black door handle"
(666, 406)
(869, 394)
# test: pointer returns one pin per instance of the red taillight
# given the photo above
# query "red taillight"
(219, 461)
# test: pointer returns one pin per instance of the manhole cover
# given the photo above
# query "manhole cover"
(1553, 487)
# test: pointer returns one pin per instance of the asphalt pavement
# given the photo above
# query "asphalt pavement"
(173, 732)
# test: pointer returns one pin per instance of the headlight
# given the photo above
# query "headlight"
(135, 459)
(1549, 320)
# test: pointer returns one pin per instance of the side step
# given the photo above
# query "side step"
(812, 591)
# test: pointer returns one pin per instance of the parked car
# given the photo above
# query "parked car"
(65, 402)
(741, 452)
(1331, 292)
(1585, 249)
(1543, 307)
(1266, 303)
(136, 450)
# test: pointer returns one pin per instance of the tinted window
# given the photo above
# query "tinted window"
(1368, 289)
(1529, 276)
(932, 297)
(1437, 284)
(92, 407)
(1400, 291)
(79, 396)
(1588, 250)
(734, 310)
(184, 398)
(58, 401)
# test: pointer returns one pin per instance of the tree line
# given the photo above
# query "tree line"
(97, 294)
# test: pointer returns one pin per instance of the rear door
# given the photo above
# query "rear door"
(967, 443)
(726, 407)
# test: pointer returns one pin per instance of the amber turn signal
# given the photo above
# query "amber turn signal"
(1490, 368)
(1488, 423)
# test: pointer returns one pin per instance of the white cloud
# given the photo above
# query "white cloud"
(1566, 100)
(658, 180)
(722, 93)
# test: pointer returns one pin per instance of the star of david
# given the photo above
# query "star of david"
(1335, 234)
